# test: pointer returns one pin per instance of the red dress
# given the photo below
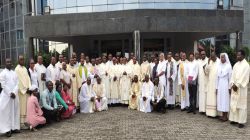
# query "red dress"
(71, 105)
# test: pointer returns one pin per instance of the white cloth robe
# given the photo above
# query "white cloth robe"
(184, 99)
(238, 103)
(197, 94)
(104, 68)
(9, 108)
(136, 70)
(59, 65)
(145, 69)
(52, 73)
(65, 75)
(170, 98)
(202, 82)
(223, 85)
(125, 83)
(114, 85)
(211, 103)
(158, 93)
(40, 70)
(33, 77)
(86, 93)
(177, 87)
(161, 68)
(148, 92)
(99, 90)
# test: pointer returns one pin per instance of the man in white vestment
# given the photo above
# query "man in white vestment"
(135, 69)
(9, 100)
(41, 71)
(211, 69)
(161, 70)
(59, 63)
(53, 72)
(170, 73)
(177, 87)
(83, 72)
(147, 90)
(223, 86)
(101, 101)
(239, 83)
(114, 84)
(202, 82)
(65, 75)
(87, 97)
(125, 82)
(183, 83)
(145, 67)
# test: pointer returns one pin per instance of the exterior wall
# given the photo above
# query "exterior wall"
(246, 33)
(12, 41)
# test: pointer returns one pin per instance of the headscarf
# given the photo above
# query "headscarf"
(224, 68)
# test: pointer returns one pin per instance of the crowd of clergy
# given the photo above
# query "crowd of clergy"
(36, 96)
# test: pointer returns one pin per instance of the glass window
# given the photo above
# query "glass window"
(71, 3)
(19, 34)
(72, 10)
(130, 1)
(131, 6)
(100, 8)
(19, 22)
(84, 2)
(99, 2)
(115, 1)
(147, 1)
(8, 53)
(146, 5)
(20, 51)
(115, 7)
(85, 9)
(13, 39)
(13, 55)
(59, 4)
(12, 23)
(59, 11)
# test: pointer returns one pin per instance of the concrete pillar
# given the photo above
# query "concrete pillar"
(137, 45)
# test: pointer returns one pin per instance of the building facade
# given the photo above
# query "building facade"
(122, 26)
(246, 33)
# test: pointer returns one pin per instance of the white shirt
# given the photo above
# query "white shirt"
(65, 75)
(192, 69)
(52, 73)
(33, 77)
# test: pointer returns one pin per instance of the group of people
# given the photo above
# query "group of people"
(38, 95)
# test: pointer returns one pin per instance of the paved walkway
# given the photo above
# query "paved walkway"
(121, 123)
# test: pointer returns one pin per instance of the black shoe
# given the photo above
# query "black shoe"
(233, 123)
(183, 109)
(241, 125)
(15, 131)
(189, 111)
(194, 112)
(8, 134)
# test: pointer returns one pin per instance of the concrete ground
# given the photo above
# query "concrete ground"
(121, 123)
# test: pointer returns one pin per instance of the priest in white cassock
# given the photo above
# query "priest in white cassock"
(53, 72)
(87, 63)
(183, 83)
(75, 82)
(160, 71)
(101, 102)
(152, 64)
(110, 60)
(197, 60)
(147, 90)
(114, 84)
(65, 75)
(24, 84)
(177, 87)
(9, 100)
(239, 83)
(135, 94)
(41, 71)
(83, 73)
(59, 63)
(136, 69)
(202, 82)
(223, 85)
(145, 67)
(212, 69)
(125, 81)
(170, 73)
(105, 76)
(87, 97)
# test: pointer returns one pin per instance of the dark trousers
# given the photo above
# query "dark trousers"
(192, 88)
(51, 115)
(160, 106)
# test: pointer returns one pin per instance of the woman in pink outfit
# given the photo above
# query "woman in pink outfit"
(34, 112)
(71, 105)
